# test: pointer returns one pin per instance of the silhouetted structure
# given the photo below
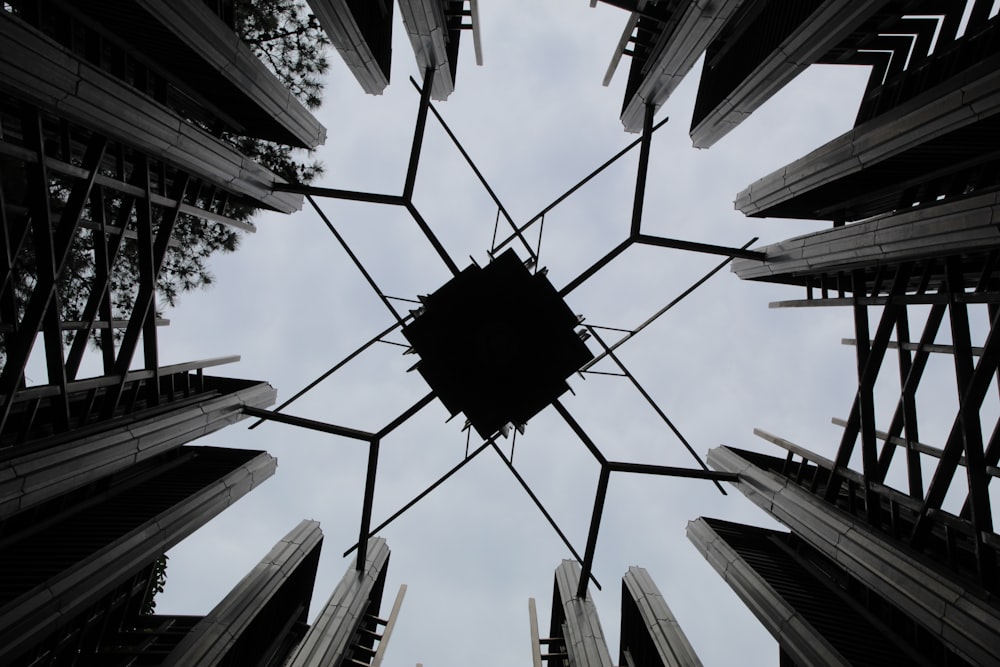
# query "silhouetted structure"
(650, 635)
(361, 31)
(878, 568)
(497, 344)
(111, 117)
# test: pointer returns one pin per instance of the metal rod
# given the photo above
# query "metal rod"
(972, 397)
(580, 184)
(595, 526)
(502, 210)
(978, 499)
(402, 298)
(860, 420)
(418, 135)
(667, 307)
(311, 424)
(366, 508)
(144, 307)
(333, 193)
(409, 412)
(595, 267)
(51, 251)
(646, 239)
(604, 328)
(424, 493)
(340, 364)
(671, 471)
(105, 253)
(357, 262)
(429, 233)
(496, 226)
(538, 251)
(907, 346)
(649, 399)
(643, 169)
(392, 342)
(568, 418)
(541, 508)
(911, 382)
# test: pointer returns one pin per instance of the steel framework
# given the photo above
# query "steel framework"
(635, 236)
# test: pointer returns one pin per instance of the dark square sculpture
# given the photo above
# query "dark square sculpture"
(497, 343)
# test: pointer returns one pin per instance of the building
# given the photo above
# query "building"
(113, 121)
(650, 635)
(894, 561)
(880, 564)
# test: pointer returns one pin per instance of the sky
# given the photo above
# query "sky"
(536, 119)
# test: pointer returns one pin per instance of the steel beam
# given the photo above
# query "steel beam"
(441, 480)
(482, 179)
(596, 266)
(337, 366)
(680, 297)
(972, 394)
(968, 421)
(580, 433)
(409, 412)
(586, 179)
(354, 258)
(642, 170)
(144, 307)
(913, 375)
(861, 418)
(908, 403)
(595, 527)
(51, 252)
(333, 193)
(692, 246)
(99, 300)
(312, 424)
(671, 471)
(435, 243)
(541, 508)
(418, 135)
(652, 403)
(865, 399)
(366, 508)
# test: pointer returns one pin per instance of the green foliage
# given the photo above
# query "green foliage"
(290, 42)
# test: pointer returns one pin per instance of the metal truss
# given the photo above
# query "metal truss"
(517, 234)
(71, 192)
(965, 542)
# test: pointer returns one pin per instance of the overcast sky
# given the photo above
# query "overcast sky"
(536, 119)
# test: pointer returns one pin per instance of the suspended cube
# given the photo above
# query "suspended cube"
(497, 344)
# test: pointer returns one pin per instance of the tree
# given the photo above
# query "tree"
(291, 43)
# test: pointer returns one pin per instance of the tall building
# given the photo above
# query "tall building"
(114, 119)
(893, 561)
